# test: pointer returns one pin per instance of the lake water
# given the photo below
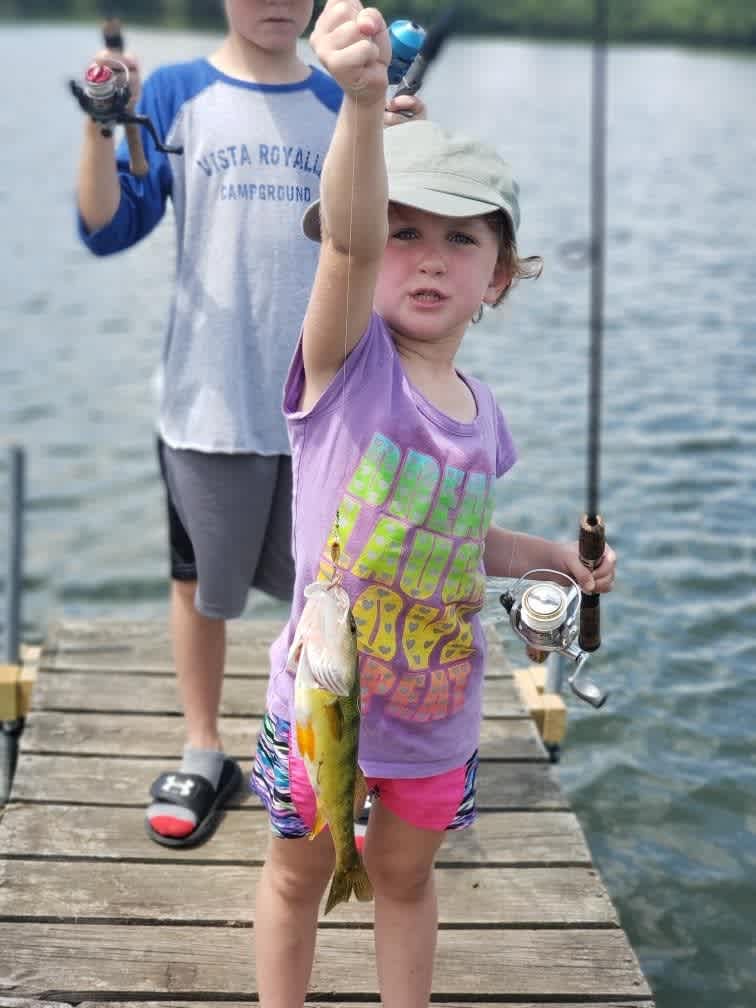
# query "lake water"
(663, 779)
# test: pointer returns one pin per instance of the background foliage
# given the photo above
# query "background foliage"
(723, 22)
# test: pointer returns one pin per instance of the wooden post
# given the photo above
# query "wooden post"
(17, 684)
(548, 710)
(9, 692)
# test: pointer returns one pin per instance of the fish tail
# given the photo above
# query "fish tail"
(363, 887)
(347, 881)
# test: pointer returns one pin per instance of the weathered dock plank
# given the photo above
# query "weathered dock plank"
(88, 733)
(126, 692)
(147, 640)
(111, 780)
(502, 839)
(88, 907)
(130, 646)
(331, 1004)
(30, 1003)
(224, 894)
(68, 962)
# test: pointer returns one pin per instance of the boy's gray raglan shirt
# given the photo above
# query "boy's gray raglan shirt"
(252, 160)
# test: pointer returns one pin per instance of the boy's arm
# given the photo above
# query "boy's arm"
(512, 554)
(354, 48)
(116, 209)
(98, 190)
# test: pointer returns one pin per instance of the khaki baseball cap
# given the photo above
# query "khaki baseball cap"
(442, 173)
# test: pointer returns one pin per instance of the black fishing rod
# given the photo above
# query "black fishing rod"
(112, 35)
(592, 529)
(552, 615)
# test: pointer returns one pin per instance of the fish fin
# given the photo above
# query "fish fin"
(304, 677)
(306, 739)
(335, 718)
(360, 791)
(325, 669)
(319, 824)
(295, 653)
(347, 881)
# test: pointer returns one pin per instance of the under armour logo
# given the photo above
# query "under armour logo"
(184, 787)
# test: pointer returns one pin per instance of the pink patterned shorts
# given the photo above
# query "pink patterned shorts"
(445, 801)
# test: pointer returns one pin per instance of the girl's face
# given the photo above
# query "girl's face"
(435, 272)
(273, 25)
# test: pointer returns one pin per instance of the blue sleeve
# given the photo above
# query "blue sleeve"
(143, 200)
(326, 90)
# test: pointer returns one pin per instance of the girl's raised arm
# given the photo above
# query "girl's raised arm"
(353, 45)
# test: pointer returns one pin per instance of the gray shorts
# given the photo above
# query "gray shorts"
(229, 521)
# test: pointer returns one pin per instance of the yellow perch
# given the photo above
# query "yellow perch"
(327, 718)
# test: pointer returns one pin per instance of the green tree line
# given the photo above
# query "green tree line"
(703, 22)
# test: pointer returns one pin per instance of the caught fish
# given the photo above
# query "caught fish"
(327, 720)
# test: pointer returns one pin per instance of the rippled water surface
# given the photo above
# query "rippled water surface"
(663, 778)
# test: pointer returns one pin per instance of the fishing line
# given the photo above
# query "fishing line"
(336, 539)
(335, 544)
(409, 84)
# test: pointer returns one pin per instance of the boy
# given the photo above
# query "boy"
(255, 122)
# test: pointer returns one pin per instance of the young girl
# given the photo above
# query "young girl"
(395, 455)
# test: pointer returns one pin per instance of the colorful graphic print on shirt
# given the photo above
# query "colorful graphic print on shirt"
(412, 534)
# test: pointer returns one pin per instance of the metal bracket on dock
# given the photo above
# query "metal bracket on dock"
(548, 710)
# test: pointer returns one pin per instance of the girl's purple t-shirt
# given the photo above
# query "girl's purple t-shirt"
(414, 490)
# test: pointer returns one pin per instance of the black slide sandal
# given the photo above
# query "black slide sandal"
(193, 791)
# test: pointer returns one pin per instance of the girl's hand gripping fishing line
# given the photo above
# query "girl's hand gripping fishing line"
(354, 44)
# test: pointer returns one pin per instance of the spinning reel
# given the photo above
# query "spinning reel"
(413, 50)
(104, 96)
(546, 615)
(407, 39)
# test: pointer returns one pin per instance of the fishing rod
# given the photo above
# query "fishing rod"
(413, 50)
(112, 35)
(548, 615)
(105, 96)
(592, 529)
(552, 617)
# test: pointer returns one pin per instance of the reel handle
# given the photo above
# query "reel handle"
(591, 546)
(412, 80)
(112, 36)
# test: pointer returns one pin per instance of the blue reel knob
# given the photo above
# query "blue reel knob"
(407, 39)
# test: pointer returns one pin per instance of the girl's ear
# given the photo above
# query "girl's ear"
(499, 284)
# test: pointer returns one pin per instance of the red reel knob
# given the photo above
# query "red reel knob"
(97, 73)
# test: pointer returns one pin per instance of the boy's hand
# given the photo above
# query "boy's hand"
(353, 45)
(403, 109)
(597, 581)
(131, 64)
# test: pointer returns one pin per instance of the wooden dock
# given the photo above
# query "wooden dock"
(92, 911)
